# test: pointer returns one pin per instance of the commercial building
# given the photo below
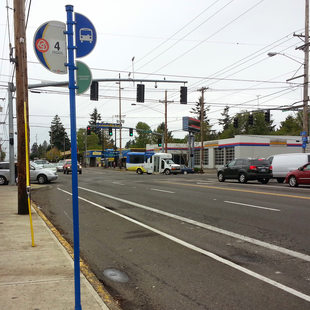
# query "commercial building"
(219, 152)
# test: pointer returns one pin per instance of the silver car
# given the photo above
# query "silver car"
(42, 175)
(37, 174)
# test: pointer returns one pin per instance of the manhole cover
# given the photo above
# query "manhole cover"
(116, 275)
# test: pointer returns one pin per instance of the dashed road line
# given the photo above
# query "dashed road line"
(251, 206)
(204, 252)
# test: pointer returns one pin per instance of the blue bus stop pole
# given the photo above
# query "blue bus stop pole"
(75, 200)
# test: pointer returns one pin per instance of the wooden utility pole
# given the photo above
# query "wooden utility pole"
(21, 98)
(166, 119)
(306, 75)
(202, 89)
(120, 121)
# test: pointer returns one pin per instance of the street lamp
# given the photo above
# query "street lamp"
(305, 64)
(271, 54)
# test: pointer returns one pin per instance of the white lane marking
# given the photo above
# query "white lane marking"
(161, 190)
(204, 252)
(66, 214)
(251, 206)
(269, 246)
(118, 183)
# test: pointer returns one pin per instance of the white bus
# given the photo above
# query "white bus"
(136, 161)
(162, 163)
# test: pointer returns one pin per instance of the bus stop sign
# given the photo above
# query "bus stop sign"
(85, 35)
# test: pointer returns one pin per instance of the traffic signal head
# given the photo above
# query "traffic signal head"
(159, 142)
(88, 130)
(183, 95)
(267, 116)
(130, 132)
(236, 122)
(140, 92)
(251, 120)
(110, 131)
(94, 91)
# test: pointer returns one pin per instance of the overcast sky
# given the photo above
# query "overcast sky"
(219, 44)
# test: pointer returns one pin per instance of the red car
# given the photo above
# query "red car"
(299, 176)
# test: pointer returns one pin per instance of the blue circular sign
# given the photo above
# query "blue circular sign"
(85, 35)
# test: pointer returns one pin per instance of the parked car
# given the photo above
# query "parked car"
(283, 163)
(244, 169)
(37, 174)
(299, 176)
(41, 175)
(5, 172)
(67, 167)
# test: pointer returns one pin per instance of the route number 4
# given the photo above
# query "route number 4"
(57, 46)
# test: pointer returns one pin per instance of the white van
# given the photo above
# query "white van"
(162, 163)
(283, 163)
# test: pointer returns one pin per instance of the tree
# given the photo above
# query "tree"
(143, 137)
(58, 135)
(291, 125)
(259, 127)
(34, 151)
(95, 118)
(226, 120)
(53, 154)
(208, 133)
(161, 130)
(42, 148)
(2, 154)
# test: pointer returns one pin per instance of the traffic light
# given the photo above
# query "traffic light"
(236, 122)
(110, 131)
(267, 116)
(88, 130)
(94, 91)
(183, 95)
(251, 120)
(130, 132)
(140, 92)
(159, 142)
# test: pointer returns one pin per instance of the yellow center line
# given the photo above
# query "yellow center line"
(238, 190)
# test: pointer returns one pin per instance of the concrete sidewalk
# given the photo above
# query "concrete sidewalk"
(40, 277)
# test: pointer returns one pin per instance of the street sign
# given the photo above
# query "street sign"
(108, 125)
(85, 35)
(83, 77)
(50, 46)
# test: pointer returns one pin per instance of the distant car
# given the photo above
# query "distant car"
(60, 166)
(41, 161)
(186, 170)
(244, 169)
(299, 176)
(67, 167)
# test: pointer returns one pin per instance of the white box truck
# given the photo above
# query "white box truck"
(162, 163)
(284, 163)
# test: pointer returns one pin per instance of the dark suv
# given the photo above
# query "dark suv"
(244, 169)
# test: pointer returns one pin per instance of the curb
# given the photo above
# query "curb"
(88, 274)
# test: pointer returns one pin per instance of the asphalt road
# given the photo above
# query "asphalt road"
(188, 241)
